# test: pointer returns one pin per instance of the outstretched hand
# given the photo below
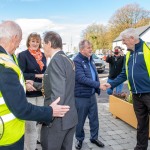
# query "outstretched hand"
(29, 86)
(29, 82)
(105, 86)
(59, 110)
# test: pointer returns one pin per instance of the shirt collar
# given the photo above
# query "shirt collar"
(54, 55)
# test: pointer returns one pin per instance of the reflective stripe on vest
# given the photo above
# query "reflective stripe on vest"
(8, 117)
(2, 101)
(127, 59)
(146, 52)
(9, 63)
(147, 57)
(14, 128)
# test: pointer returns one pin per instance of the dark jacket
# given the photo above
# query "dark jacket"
(115, 66)
(30, 67)
(138, 74)
(84, 83)
(15, 98)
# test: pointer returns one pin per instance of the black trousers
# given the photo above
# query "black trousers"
(141, 104)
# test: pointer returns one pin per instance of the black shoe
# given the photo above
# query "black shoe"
(98, 143)
(78, 144)
(38, 142)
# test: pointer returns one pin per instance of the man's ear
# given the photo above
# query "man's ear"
(14, 38)
(132, 37)
(49, 44)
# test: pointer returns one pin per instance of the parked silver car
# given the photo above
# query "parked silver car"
(99, 63)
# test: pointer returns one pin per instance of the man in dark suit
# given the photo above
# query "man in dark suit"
(86, 85)
(14, 108)
(59, 79)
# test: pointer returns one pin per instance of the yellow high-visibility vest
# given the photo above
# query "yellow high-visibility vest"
(146, 52)
(14, 128)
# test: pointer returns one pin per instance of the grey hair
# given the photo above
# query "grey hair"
(130, 32)
(9, 29)
(82, 44)
(54, 38)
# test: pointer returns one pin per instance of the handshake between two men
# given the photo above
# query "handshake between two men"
(105, 86)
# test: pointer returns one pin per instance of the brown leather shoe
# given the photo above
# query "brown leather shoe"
(78, 144)
(98, 143)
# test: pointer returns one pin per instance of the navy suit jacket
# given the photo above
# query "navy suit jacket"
(30, 67)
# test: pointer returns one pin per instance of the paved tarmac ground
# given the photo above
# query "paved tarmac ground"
(114, 133)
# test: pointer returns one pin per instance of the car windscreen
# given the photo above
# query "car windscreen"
(94, 56)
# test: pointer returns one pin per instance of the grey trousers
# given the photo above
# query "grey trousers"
(31, 129)
(55, 138)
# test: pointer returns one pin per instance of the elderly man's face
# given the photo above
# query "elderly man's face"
(87, 50)
(129, 42)
(15, 41)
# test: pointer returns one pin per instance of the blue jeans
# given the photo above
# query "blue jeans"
(118, 88)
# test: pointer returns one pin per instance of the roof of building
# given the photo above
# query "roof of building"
(140, 31)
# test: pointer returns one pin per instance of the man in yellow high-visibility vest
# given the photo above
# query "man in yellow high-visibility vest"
(137, 71)
(14, 108)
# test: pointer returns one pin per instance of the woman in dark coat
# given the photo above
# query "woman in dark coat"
(33, 65)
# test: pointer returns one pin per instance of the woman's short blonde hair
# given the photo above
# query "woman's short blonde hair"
(34, 36)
